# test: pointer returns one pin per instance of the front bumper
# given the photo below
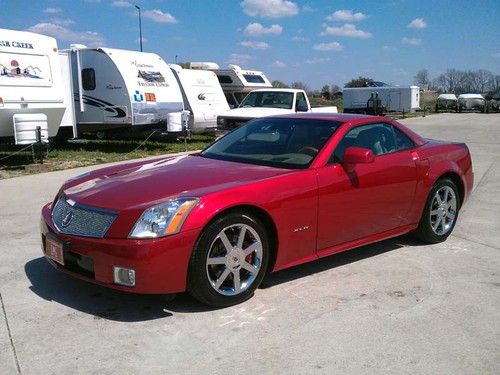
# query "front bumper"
(160, 265)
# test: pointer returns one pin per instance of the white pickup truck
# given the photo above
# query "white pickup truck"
(268, 102)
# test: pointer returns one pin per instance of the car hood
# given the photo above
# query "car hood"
(142, 185)
(255, 112)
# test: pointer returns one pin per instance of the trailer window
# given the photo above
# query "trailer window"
(225, 79)
(88, 79)
(253, 79)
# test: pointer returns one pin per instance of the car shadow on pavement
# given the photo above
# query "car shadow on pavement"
(110, 304)
(102, 302)
(337, 260)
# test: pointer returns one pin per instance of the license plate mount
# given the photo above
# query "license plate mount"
(54, 249)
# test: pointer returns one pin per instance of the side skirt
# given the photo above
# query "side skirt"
(352, 245)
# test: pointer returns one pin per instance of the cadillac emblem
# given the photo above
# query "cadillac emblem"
(67, 219)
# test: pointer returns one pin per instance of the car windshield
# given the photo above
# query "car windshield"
(272, 99)
(276, 142)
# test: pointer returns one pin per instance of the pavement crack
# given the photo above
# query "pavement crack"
(484, 176)
(476, 242)
(10, 336)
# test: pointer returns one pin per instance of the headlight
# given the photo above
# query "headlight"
(163, 219)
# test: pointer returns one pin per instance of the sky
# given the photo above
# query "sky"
(316, 42)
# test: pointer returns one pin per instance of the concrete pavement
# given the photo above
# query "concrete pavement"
(394, 307)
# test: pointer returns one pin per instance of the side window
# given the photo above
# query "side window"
(88, 79)
(377, 137)
(301, 104)
(403, 142)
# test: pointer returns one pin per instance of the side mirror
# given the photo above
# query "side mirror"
(357, 155)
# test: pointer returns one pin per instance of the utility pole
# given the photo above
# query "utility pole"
(140, 26)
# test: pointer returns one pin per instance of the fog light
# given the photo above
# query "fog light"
(124, 276)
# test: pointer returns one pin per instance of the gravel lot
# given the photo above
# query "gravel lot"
(394, 307)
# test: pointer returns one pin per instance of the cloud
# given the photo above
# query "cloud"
(411, 41)
(346, 15)
(299, 39)
(144, 40)
(62, 22)
(279, 64)
(121, 4)
(255, 45)
(497, 55)
(317, 60)
(90, 38)
(269, 8)
(157, 15)
(256, 29)
(417, 23)
(239, 59)
(334, 46)
(387, 48)
(348, 30)
(400, 72)
(52, 10)
(308, 8)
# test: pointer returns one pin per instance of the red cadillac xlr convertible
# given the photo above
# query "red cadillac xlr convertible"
(274, 193)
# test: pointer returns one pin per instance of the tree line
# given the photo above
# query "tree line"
(451, 81)
(459, 81)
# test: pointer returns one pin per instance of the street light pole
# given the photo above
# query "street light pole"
(140, 26)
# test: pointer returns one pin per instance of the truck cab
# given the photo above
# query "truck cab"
(268, 102)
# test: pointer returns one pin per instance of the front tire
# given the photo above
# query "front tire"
(229, 260)
(440, 212)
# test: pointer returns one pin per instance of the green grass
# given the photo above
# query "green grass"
(326, 103)
(79, 153)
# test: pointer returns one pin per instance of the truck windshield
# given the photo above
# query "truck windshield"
(268, 99)
(276, 142)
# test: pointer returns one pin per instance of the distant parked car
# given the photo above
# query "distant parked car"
(447, 102)
(469, 102)
(274, 193)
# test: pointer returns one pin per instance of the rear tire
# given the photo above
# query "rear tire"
(229, 260)
(440, 212)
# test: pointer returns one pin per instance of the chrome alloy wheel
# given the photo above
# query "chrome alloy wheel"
(443, 210)
(234, 259)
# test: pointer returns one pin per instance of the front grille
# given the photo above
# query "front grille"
(81, 220)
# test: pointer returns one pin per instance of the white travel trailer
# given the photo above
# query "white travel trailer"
(392, 99)
(467, 102)
(203, 97)
(31, 86)
(115, 88)
(446, 101)
(235, 82)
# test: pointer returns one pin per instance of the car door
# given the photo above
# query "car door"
(372, 198)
